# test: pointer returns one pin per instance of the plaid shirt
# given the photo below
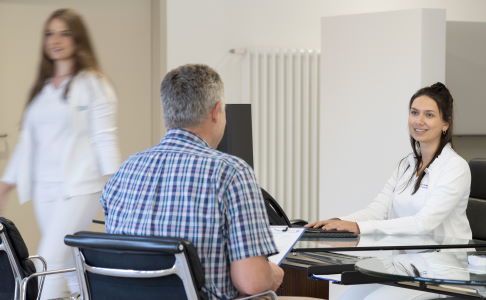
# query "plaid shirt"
(184, 188)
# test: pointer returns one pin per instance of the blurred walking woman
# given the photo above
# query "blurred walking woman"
(68, 144)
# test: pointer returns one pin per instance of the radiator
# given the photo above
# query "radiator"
(283, 89)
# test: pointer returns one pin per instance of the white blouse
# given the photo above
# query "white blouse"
(48, 119)
(89, 148)
(438, 206)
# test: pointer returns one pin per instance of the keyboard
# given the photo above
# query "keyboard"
(321, 233)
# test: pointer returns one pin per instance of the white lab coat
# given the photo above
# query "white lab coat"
(91, 148)
(90, 152)
(438, 207)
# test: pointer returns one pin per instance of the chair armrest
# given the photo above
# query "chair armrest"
(272, 295)
(39, 258)
(32, 258)
(25, 281)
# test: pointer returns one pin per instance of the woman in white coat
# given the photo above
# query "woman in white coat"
(427, 193)
(68, 144)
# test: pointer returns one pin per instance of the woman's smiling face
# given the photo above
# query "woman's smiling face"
(425, 122)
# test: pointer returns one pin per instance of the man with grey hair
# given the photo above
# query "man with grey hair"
(185, 188)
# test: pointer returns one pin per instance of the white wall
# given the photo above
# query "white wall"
(204, 31)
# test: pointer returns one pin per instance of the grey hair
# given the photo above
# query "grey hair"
(188, 93)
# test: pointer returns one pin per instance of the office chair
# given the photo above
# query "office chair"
(276, 214)
(476, 209)
(112, 266)
(18, 279)
(15, 264)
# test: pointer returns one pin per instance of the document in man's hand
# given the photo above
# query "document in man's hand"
(285, 238)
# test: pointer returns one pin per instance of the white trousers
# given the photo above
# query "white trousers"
(384, 292)
(58, 216)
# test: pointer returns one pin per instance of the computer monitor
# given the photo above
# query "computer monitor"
(237, 139)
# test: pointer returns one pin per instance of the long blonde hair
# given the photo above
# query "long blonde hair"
(84, 55)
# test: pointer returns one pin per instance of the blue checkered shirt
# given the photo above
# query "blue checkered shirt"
(183, 188)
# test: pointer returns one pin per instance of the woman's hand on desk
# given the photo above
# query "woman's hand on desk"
(335, 224)
(322, 223)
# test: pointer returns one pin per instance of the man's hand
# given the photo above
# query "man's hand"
(255, 275)
(335, 224)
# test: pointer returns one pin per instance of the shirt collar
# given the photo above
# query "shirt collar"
(179, 133)
(412, 160)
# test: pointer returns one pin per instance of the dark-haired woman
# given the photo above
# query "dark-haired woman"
(428, 191)
(68, 144)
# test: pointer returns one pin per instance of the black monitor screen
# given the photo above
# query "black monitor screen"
(237, 139)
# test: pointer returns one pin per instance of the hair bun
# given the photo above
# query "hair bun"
(439, 86)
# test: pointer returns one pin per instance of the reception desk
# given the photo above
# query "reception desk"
(335, 259)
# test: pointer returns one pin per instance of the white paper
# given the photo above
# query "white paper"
(285, 238)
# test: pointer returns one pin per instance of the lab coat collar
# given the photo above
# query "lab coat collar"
(412, 160)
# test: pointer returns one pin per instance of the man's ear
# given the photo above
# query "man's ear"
(216, 111)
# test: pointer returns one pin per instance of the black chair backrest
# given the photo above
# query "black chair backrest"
(478, 178)
(476, 209)
(127, 252)
(19, 259)
(276, 215)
